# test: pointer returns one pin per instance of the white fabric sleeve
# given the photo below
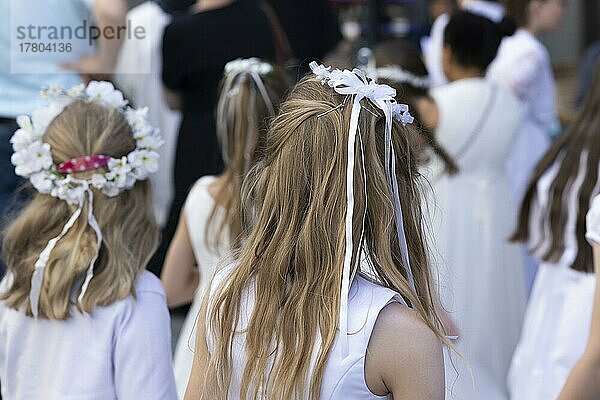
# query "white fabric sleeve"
(142, 355)
(593, 222)
(529, 67)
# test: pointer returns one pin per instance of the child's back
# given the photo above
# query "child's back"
(79, 316)
(96, 356)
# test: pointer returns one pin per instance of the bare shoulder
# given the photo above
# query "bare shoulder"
(396, 320)
(405, 356)
(428, 111)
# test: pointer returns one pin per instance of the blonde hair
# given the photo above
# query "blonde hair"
(243, 113)
(127, 223)
(293, 254)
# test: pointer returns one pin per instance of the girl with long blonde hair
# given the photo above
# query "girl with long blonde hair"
(210, 225)
(329, 296)
(79, 316)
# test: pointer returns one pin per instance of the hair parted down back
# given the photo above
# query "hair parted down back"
(293, 253)
(242, 138)
(127, 223)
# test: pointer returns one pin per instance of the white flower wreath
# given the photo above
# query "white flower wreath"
(33, 158)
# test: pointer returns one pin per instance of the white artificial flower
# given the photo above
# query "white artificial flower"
(144, 160)
(248, 65)
(98, 181)
(401, 114)
(25, 123)
(33, 159)
(138, 120)
(105, 93)
(43, 181)
(60, 189)
(76, 91)
(41, 156)
(121, 178)
(42, 117)
(119, 165)
(75, 195)
(141, 131)
(150, 142)
(320, 71)
(110, 189)
(130, 179)
(54, 91)
(22, 139)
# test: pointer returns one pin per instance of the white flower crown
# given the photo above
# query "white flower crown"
(33, 158)
(249, 65)
(397, 74)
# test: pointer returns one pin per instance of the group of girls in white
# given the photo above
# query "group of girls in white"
(356, 245)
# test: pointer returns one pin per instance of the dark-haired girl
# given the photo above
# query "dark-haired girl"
(432, 46)
(552, 223)
(476, 121)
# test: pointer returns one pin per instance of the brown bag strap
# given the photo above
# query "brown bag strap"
(283, 49)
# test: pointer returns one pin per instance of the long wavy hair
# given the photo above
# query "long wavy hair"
(401, 53)
(293, 253)
(580, 138)
(242, 117)
(127, 222)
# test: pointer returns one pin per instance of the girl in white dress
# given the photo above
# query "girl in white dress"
(523, 66)
(211, 222)
(552, 223)
(583, 383)
(314, 305)
(79, 316)
(481, 281)
(400, 66)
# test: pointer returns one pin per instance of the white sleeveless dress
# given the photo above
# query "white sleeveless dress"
(481, 277)
(344, 378)
(559, 313)
(197, 210)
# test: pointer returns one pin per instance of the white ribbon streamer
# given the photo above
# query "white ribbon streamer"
(96, 227)
(38, 274)
(254, 68)
(382, 96)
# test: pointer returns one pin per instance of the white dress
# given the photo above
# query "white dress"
(480, 280)
(138, 74)
(197, 210)
(343, 378)
(121, 351)
(559, 312)
(523, 66)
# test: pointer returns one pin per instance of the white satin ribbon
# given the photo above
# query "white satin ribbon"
(94, 224)
(38, 273)
(230, 88)
(382, 96)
